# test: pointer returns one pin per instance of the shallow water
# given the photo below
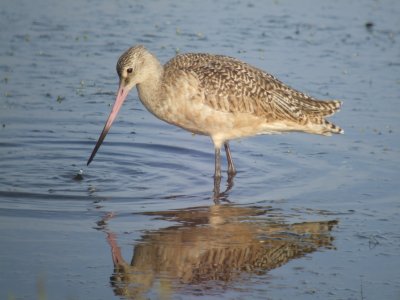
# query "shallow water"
(309, 217)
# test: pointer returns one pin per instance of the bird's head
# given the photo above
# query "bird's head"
(128, 68)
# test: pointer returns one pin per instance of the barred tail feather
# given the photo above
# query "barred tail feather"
(332, 128)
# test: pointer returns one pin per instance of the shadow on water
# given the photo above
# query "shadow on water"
(209, 248)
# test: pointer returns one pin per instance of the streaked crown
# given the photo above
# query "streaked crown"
(130, 58)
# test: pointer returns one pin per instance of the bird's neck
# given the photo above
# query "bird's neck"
(149, 89)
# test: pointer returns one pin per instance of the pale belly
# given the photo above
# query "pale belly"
(220, 126)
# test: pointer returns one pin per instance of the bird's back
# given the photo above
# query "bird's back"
(230, 85)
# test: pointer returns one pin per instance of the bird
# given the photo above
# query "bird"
(217, 96)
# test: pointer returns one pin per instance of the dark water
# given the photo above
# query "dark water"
(310, 217)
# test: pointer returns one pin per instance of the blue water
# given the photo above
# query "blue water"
(150, 185)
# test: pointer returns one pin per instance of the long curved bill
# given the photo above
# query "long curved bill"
(121, 96)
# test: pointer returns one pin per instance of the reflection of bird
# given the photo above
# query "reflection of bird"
(217, 96)
(212, 243)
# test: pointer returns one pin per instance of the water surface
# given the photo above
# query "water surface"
(308, 217)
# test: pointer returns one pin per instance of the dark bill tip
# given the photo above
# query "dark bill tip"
(98, 144)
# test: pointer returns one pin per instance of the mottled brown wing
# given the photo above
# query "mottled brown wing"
(233, 86)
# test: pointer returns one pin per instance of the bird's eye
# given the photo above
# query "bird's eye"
(129, 70)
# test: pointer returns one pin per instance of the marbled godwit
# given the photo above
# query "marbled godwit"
(218, 96)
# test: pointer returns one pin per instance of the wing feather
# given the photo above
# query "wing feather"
(233, 86)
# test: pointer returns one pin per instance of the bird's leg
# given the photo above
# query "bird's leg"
(217, 194)
(217, 173)
(231, 166)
